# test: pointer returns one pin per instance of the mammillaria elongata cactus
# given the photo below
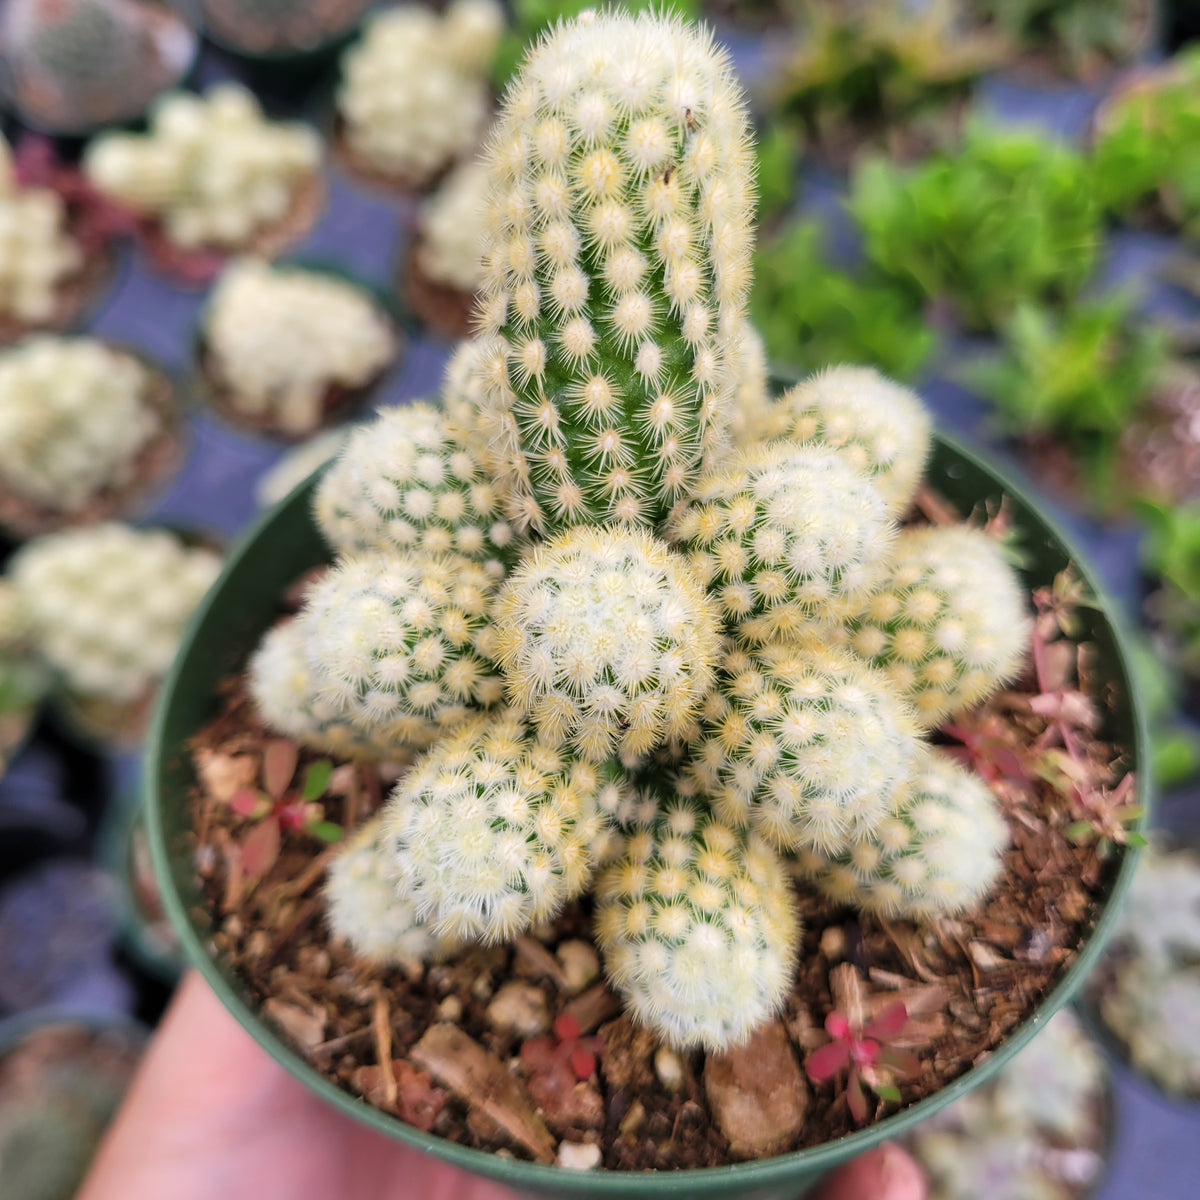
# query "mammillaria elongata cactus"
(75, 414)
(413, 96)
(617, 268)
(38, 255)
(684, 717)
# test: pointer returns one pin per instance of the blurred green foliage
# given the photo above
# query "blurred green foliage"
(812, 314)
(858, 70)
(1011, 217)
(1084, 36)
(1171, 551)
(1147, 149)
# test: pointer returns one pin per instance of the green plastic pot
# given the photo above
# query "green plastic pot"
(283, 544)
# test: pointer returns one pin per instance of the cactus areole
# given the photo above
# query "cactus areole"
(640, 648)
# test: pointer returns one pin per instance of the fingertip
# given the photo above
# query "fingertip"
(885, 1173)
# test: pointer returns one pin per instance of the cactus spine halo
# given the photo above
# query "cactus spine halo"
(881, 427)
(490, 832)
(364, 906)
(401, 643)
(949, 624)
(617, 265)
(938, 852)
(606, 641)
(406, 481)
(697, 926)
(786, 532)
(805, 744)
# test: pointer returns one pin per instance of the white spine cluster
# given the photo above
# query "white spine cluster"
(279, 339)
(74, 415)
(806, 745)
(490, 830)
(697, 926)
(618, 261)
(365, 908)
(787, 532)
(414, 92)
(212, 169)
(408, 481)
(402, 644)
(881, 427)
(38, 255)
(108, 604)
(288, 696)
(949, 624)
(937, 852)
(450, 230)
(606, 641)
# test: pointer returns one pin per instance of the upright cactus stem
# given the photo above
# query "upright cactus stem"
(617, 266)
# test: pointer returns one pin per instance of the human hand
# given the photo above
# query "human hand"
(211, 1116)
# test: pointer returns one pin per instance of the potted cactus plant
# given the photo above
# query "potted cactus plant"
(287, 350)
(286, 33)
(211, 177)
(413, 95)
(671, 716)
(71, 67)
(105, 658)
(87, 430)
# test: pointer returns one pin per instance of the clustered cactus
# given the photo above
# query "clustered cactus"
(414, 94)
(212, 170)
(107, 604)
(75, 416)
(282, 344)
(672, 620)
(78, 64)
(38, 255)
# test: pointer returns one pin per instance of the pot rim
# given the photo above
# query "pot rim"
(777, 1170)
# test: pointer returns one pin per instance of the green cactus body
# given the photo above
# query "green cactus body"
(286, 694)
(949, 625)
(607, 642)
(804, 744)
(618, 261)
(402, 644)
(785, 533)
(697, 926)
(937, 852)
(880, 427)
(490, 831)
(365, 908)
(405, 481)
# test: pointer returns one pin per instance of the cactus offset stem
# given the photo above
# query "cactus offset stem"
(619, 228)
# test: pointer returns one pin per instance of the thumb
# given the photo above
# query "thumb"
(885, 1173)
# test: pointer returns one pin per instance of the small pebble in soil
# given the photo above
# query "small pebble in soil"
(578, 1156)
(833, 943)
(520, 1007)
(668, 1066)
(580, 965)
(450, 1009)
